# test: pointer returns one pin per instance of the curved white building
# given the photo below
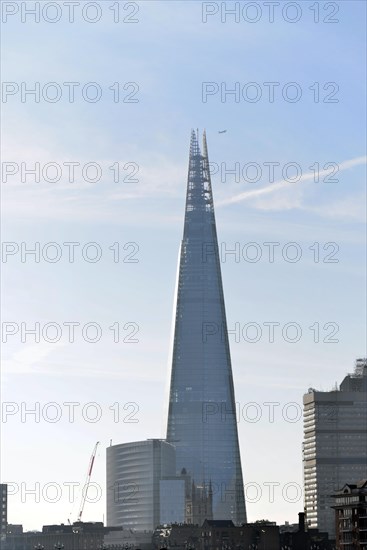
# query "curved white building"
(134, 471)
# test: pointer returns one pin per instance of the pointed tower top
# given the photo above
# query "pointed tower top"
(199, 199)
(194, 144)
(205, 150)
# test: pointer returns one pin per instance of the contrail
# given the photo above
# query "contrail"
(281, 184)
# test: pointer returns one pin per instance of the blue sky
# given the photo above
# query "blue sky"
(169, 53)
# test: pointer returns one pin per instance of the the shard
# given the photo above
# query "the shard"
(202, 414)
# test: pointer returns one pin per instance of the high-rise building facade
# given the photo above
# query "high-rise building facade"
(201, 420)
(3, 510)
(335, 444)
(134, 472)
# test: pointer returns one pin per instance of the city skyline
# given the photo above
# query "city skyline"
(129, 380)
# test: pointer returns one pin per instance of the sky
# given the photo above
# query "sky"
(117, 88)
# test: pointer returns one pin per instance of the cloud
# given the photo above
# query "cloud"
(157, 178)
(29, 359)
(284, 200)
(347, 208)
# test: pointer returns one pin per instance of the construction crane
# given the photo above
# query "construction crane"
(87, 481)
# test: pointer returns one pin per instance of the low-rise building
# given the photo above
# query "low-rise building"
(79, 536)
(218, 535)
(301, 537)
(351, 516)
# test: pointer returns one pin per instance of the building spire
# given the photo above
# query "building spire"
(201, 378)
(199, 197)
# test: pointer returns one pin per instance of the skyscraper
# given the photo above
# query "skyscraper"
(335, 444)
(201, 419)
(3, 510)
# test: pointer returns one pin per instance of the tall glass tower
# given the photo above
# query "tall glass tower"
(202, 418)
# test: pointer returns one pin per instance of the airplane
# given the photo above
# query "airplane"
(222, 131)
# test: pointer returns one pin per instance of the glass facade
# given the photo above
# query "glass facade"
(202, 417)
(173, 501)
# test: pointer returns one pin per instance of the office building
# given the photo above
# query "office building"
(134, 472)
(335, 444)
(3, 510)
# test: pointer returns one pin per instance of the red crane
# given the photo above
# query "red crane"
(87, 481)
